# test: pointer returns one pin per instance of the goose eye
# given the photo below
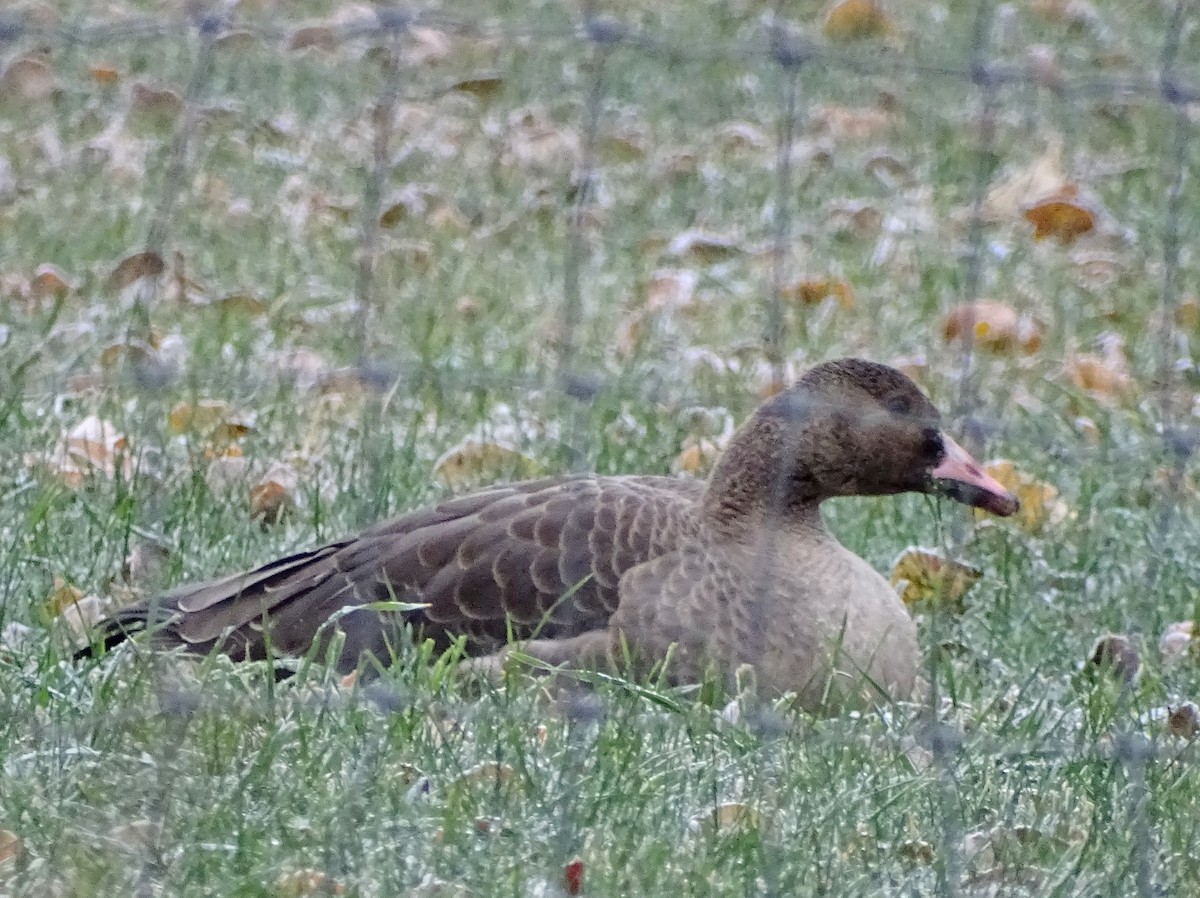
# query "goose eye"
(898, 405)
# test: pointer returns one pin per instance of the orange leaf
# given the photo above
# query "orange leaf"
(992, 325)
(103, 74)
(850, 20)
(924, 576)
(1062, 215)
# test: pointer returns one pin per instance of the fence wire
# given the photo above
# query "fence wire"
(789, 57)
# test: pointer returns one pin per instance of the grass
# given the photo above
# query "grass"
(148, 775)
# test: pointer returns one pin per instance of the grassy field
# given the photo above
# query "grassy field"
(1025, 773)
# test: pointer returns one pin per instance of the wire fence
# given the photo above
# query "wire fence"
(991, 81)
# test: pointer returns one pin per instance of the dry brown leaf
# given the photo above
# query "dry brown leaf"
(160, 105)
(1040, 503)
(306, 884)
(1064, 215)
(729, 816)
(1183, 721)
(241, 304)
(703, 247)
(104, 74)
(274, 495)
(49, 282)
(850, 20)
(28, 79)
(147, 264)
(810, 291)
(316, 37)
(742, 136)
(1103, 376)
(473, 462)
(237, 40)
(925, 578)
(994, 326)
(483, 87)
(1116, 653)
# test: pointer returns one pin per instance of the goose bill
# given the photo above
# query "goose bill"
(961, 478)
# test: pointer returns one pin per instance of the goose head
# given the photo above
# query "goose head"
(848, 427)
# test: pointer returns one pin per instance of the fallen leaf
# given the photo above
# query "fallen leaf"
(810, 291)
(1116, 653)
(241, 304)
(850, 20)
(132, 268)
(473, 462)
(49, 282)
(573, 876)
(29, 79)
(237, 40)
(742, 136)
(1063, 214)
(926, 578)
(700, 246)
(1040, 503)
(274, 495)
(1105, 377)
(103, 74)
(159, 105)
(483, 87)
(992, 325)
(1183, 721)
(316, 37)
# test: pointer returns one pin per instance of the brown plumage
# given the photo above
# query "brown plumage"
(582, 569)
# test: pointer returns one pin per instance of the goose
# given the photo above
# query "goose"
(587, 570)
